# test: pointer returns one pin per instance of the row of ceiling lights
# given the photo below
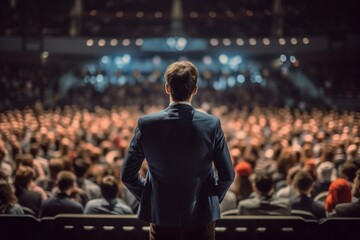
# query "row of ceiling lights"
(213, 42)
(192, 14)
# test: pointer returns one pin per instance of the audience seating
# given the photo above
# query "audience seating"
(94, 227)
(17, 227)
(335, 228)
(128, 227)
(264, 227)
(303, 214)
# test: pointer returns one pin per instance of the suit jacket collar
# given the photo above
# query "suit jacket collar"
(180, 106)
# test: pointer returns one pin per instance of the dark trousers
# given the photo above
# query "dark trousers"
(206, 232)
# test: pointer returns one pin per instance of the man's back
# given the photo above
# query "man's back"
(260, 205)
(180, 144)
(60, 203)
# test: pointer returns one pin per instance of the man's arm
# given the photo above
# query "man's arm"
(223, 164)
(132, 164)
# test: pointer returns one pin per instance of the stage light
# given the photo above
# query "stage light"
(283, 58)
(158, 14)
(282, 41)
(99, 78)
(292, 59)
(181, 44)
(126, 58)
(207, 60)
(223, 59)
(293, 41)
(212, 14)
(226, 42)
(101, 42)
(194, 14)
(126, 42)
(230, 14)
(105, 59)
(113, 42)
(240, 41)
(266, 41)
(93, 13)
(139, 14)
(249, 13)
(240, 78)
(119, 14)
(139, 42)
(306, 40)
(214, 42)
(156, 60)
(44, 55)
(252, 41)
(89, 42)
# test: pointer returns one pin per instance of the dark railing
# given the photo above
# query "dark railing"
(128, 227)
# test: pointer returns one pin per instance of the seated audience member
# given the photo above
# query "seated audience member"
(81, 168)
(110, 203)
(351, 209)
(339, 192)
(242, 186)
(326, 173)
(62, 202)
(28, 161)
(289, 191)
(56, 165)
(229, 202)
(26, 197)
(8, 200)
(264, 203)
(303, 183)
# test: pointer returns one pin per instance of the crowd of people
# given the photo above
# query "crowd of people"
(68, 160)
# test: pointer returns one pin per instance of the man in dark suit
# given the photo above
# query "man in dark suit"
(264, 203)
(189, 165)
(62, 202)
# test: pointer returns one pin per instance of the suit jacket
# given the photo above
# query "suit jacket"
(60, 203)
(305, 203)
(29, 199)
(181, 146)
(351, 209)
(265, 205)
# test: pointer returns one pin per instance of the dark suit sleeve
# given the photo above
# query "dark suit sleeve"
(132, 164)
(223, 164)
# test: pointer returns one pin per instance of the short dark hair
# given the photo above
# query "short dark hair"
(303, 181)
(263, 182)
(81, 166)
(182, 79)
(65, 180)
(109, 187)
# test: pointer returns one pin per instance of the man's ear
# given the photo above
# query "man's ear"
(167, 88)
(195, 90)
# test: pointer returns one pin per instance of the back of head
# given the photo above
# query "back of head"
(7, 197)
(263, 183)
(109, 187)
(65, 180)
(81, 166)
(339, 192)
(326, 172)
(303, 181)
(348, 171)
(243, 168)
(23, 176)
(182, 79)
(55, 165)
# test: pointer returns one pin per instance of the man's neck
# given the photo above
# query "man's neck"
(172, 102)
(180, 102)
